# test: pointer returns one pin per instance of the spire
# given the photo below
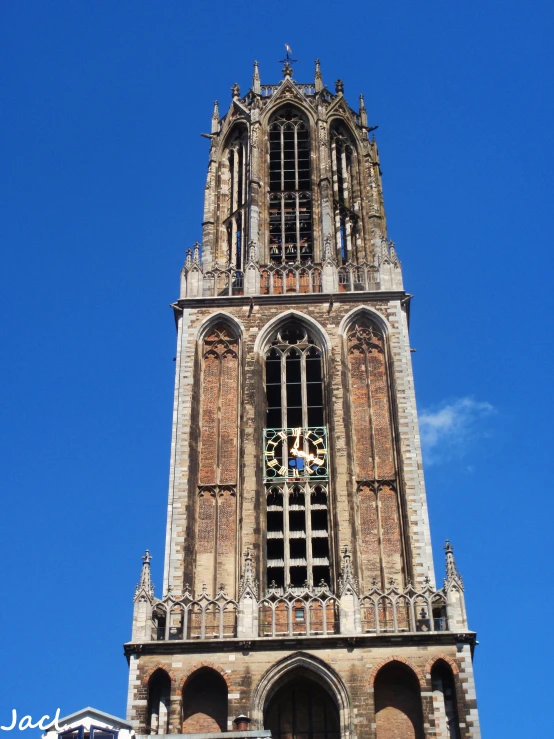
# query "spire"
(339, 87)
(452, 573)
(145, 583)
(248, 581)
(256, 85)
(363, 112)
(215, 118)
(196, 253)
(318, 77)
(347, 579)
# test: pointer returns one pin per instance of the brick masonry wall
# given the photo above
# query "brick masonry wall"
(391, 542)
(369, 536)
(374, 708)
(398, 708)
(346, 518)
(216, 511)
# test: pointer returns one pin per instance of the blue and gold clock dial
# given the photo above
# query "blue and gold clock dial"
(295, 453)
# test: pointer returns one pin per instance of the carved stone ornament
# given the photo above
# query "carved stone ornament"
(322, 134)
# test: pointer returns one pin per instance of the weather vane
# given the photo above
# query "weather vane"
(288, 58)
(287, 69)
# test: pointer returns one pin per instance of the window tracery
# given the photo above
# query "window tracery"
(290, 188)
(297, 493)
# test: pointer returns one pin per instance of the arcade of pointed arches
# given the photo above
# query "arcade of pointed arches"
(304, 692)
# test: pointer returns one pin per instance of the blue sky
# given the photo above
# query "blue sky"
(103, 177)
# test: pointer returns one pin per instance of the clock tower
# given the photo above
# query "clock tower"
(299, 595)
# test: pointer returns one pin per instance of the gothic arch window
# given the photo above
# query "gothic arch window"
(290, 187)
(235, 172)
(444, 700)
(294, 379)
(302, 709)
(398, 710)
(159, 689)
(205, 698)
(346, 191)
(296, 462)
(218, 449)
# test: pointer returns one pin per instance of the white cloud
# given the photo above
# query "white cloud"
(448, 429)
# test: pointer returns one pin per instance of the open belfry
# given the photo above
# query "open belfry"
(299, 598)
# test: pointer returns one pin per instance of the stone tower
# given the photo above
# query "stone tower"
(299, 595)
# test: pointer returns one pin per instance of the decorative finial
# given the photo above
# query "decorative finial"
(393, 256)
(363, 112)
(252, 252)
(256, 85)
(347, 579)
(188, 259)
(235, 89)
(145, 583)
(451, 569)
(328, 255)
(215, 118)
(287, 71)
(196, 253)
(339, 87)
(318, 77)
(248, 580)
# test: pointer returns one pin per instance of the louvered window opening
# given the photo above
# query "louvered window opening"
(294, 381)
(297, 536)
(290, 189)
(236, 222)
(297, 512)
(344, 177)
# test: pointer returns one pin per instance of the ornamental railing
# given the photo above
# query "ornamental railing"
(395, 612)
(277, 279)
(298, 612)
(286, 278)
(358, 277)
(219, 282)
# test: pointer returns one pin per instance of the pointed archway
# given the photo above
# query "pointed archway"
(302, 709)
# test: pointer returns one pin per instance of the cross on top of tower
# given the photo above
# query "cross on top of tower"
(287, 69)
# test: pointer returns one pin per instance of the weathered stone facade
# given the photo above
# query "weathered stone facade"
(297, 574)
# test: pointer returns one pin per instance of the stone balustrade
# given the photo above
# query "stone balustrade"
(298, 612)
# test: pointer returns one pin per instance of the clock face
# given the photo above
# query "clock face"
(295, 453)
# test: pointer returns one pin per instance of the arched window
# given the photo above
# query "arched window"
(294, 379)
(302, 709)
(444, 700)
(234, 210)
(346, 191)
(398, 710)
(290, 187)
(159, 689)
(204, 703)
(296, 462)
